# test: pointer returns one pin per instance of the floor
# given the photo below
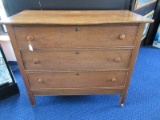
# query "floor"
(142, 103)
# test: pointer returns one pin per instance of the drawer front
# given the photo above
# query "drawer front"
(75, 37)
(64, 60)
(76, 79)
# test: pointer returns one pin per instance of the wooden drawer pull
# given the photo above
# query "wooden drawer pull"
(30, 38)
(114, 79)
(122, 37)
(118, 59)
(35, 61)
(40, 81)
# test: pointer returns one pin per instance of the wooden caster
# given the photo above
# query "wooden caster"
(122, 105)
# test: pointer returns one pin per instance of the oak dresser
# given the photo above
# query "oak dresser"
(76, 52)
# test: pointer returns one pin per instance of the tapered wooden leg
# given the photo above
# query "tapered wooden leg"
(32, 100)
(122, 98)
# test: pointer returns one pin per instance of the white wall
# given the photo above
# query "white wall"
(4, 40)
(8, 50)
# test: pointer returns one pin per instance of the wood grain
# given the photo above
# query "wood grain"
(39, 80)
(132, 62)
(20, 64)
(66, 60)
(76, 17)
(67, 36)
(76, 52)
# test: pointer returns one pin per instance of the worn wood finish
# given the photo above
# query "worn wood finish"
(77, 91)
(39, 80)
(75, 36)
(132, 62)
(20, 63)
(76, 17)
(76, 60)
(76, 52)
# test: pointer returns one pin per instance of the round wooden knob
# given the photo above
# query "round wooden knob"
(114, 79)
(35, 61)
(118, 59)
(122, 37)
(30, 38)
(40, 81)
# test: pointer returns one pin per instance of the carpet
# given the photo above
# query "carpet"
(142, 102)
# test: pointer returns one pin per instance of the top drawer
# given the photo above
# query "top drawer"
(75, 36)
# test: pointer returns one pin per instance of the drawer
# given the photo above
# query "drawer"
(64, 60)
(75, 37)
(42, 80)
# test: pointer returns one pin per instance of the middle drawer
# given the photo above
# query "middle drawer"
(70, 60)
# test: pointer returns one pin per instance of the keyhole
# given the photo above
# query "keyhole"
(77, 52)
(76, 29)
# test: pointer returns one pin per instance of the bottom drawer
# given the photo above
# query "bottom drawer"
(40, 80)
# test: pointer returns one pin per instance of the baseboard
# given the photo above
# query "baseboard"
(8, 90)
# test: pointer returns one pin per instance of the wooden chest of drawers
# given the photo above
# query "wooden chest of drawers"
(76, 52)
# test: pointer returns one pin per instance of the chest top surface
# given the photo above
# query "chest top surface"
(75, 17)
